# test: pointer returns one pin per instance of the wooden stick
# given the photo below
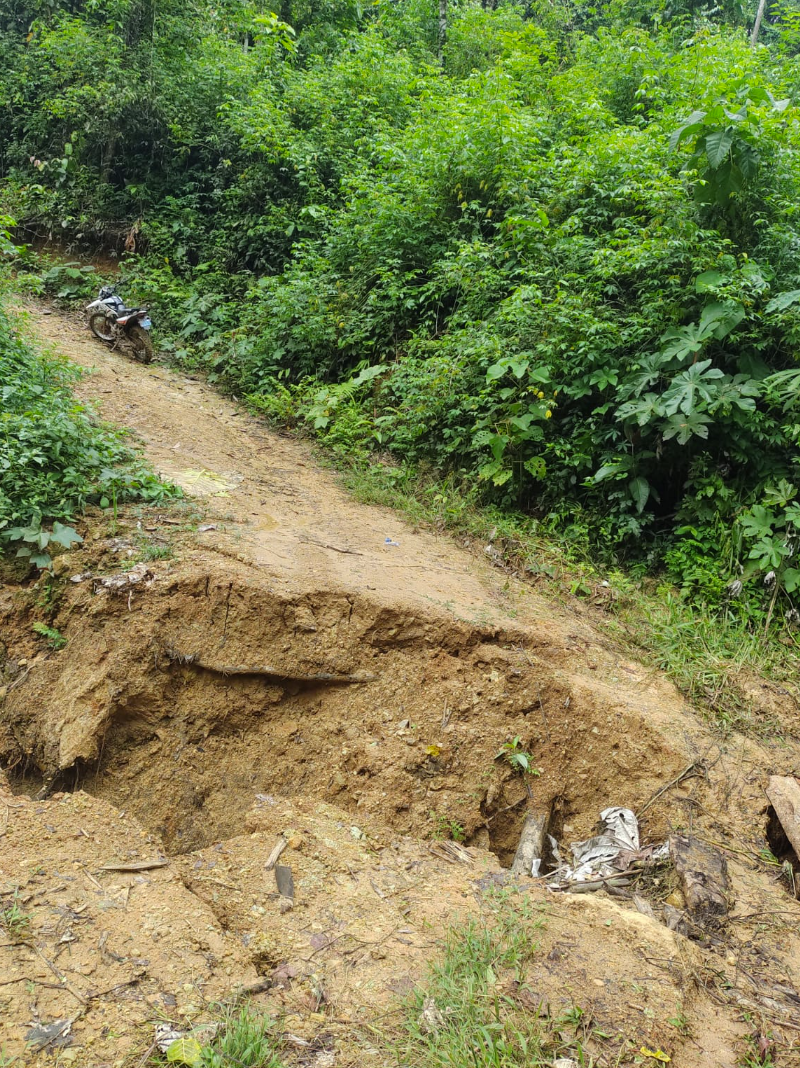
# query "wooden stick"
(673, 782)
(67, 985)
(274, 856)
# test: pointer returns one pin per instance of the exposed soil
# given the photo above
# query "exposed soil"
(286, 671)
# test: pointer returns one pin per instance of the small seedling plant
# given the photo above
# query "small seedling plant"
(518, 758)
(55, 639)
(14, 919)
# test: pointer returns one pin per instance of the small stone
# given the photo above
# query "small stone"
(286, 905)
(295, 842)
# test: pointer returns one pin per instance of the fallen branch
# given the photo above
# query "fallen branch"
(274, 856)
(687, 771)
(333, 548)
(66, 984)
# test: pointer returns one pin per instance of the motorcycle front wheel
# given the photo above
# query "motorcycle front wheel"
(142, 343)
(101, 327)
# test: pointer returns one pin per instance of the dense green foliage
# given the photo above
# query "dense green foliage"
(564, 263)
(53, 457)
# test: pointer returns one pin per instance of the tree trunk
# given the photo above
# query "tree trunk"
(757, 26)
(443, 28)
(109, 151)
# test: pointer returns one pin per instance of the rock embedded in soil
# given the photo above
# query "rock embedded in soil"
(784, 794)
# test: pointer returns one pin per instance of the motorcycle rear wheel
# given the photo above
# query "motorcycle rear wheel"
(101, 327)
(142, 343)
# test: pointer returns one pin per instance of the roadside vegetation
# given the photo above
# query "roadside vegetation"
(55, 457)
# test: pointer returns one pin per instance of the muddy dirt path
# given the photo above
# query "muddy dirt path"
(192, 717)
(281, 511)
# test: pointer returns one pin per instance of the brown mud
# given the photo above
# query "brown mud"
(280, 669)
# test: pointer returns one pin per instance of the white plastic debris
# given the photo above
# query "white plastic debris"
(123, 580)
(606, 856)
(430, 1019)
(622, 826)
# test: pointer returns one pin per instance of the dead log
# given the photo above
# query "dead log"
(703, 872)
(531, 844)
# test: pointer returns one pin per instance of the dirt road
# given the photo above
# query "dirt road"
(282, 512)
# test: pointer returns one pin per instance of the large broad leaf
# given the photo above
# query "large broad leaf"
(748, 159)
(186, 1051)
(728, 179)
(536, 466)
(693, 125)
(496, 472)
(791, 579)
(685, 427)
(615, 469)
(681, 342)
(717, 320)
(639, 489)
(644, 410)
(783, 301)
(709, 280)
(718, 145)
(66, 536)
(697, 384)
(758, 522)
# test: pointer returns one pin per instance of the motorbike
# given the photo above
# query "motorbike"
(112, 322)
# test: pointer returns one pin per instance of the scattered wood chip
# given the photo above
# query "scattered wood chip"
(452, 852)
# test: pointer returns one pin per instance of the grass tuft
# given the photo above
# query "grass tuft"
(475, 1011)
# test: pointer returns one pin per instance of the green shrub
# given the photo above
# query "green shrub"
(55, 458)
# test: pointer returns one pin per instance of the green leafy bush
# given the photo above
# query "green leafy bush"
(54, 457)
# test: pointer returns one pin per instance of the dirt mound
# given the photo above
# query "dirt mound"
(112, 944)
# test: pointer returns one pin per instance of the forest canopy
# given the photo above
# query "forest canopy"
(553, 252)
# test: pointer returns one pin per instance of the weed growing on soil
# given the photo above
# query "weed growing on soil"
(15, 920)
(514, 755)
(245, 1040)
(153, 551)
(444, 827)
(475, 1007)
(55, 639)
